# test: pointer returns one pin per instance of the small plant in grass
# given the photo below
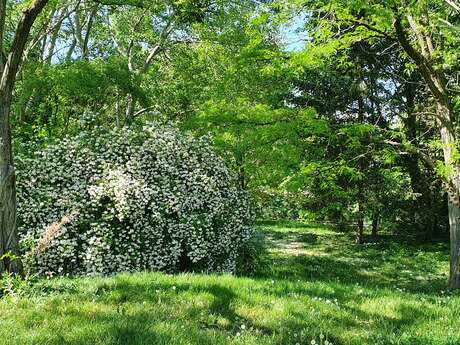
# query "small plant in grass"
(252, 254)
(14, 285)
(321, 341)
(130, 200)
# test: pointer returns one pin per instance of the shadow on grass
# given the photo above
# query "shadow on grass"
(118, 322)
(287, 224)
(163, 315)
(386, 262)
(307, 238)
(382, 330)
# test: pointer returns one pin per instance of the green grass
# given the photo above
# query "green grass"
(313, 281)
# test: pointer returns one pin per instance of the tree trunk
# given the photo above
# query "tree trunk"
(8, 232)
(8, 69)
(360, 231)
(375, 224)
(362, 164)
(50, 43)
(436, 82)
(454, 216)
(239, 160)
(131, 104)
(89, 26)
(445, 120)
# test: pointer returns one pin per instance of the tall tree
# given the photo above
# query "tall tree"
(10, 60)
(422, 51)
(425, 32)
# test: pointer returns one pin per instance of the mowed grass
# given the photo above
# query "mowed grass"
(314, 284)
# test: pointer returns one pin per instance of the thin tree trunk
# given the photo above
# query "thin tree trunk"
(53, 36)
(454, 216)
(89, 26)
(71, 50)
(360, 230)
(239, 160)
(375, 224)
(131, 104)
(362, 168)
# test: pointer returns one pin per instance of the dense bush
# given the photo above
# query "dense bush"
(129, 200)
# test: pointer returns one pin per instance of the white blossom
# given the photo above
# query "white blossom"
(142, 200)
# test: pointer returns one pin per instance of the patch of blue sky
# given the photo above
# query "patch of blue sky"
(293, 34)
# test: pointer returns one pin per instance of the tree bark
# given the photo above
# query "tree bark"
(362, 168)
(375, 224)
(130, 106)
(9, 68)
(360, 230)
(445, 120)
(8, 231)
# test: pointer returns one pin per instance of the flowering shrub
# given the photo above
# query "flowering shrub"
(130, 200)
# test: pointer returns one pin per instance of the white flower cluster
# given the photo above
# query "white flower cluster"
(130, 200)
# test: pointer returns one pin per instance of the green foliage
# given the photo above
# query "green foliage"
(251, 260)
(57, 100)
(350, 172)
(14, 286)
(9, 256)
(259, 142)
(278, 203)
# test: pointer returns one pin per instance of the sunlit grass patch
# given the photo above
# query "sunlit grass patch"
(327, 289)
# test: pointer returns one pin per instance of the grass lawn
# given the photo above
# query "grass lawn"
(314, 284)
